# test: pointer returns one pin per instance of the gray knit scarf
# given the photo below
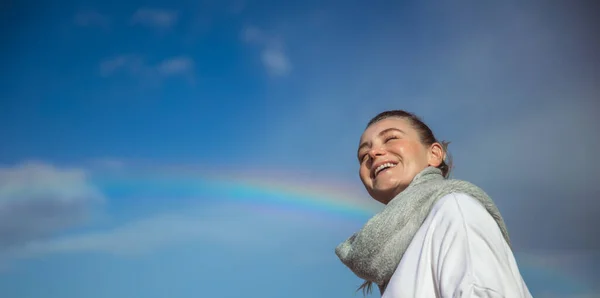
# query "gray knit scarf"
(374, 252)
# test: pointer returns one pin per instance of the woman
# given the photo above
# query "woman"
(436, 237)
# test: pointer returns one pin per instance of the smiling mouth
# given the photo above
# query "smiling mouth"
(383, 167)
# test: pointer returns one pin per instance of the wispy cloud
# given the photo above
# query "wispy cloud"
(106, 163)
(156, 18)
(227, 224)
(176, 66)
(137, 66)
(137, 237)
(92, 18)
(132, 64)
(276, 61)
(273, 55)
(38, 199)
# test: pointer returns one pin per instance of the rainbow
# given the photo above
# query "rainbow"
(263, 190)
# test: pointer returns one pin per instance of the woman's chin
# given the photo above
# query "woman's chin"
(385, 185)
(383, 195)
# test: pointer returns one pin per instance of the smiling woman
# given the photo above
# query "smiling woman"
(436, 237)
(405, 135)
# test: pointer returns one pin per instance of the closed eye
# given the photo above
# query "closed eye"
(389, 138)
(362, 157)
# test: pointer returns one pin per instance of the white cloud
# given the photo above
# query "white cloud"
(91, 18)
(136, 66)
(157, 18)
(276, 61)
(38, 199)
(132, 64)
(231, 225)
(253, 35)
(132, 238)
(273, 54)
(107, 163)
(176, 66)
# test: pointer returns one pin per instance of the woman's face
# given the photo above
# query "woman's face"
(391, 155)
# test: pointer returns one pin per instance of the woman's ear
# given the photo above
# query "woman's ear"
(436, 154)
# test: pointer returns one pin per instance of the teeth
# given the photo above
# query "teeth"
(383, 166)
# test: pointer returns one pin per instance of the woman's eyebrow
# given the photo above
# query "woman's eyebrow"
(390, 129)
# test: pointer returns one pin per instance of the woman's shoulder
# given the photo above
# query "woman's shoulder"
(465, 237)
(460, 207)
(457, 199)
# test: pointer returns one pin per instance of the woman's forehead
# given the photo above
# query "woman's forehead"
(393, 122)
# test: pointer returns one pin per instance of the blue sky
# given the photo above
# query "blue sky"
(127, 132)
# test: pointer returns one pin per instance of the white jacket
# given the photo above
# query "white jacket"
(459, 251)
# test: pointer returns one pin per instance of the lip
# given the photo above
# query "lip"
(377, 164)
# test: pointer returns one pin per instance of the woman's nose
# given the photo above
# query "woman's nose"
(378, 151)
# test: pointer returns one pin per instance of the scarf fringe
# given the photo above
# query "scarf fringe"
(366, 287)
